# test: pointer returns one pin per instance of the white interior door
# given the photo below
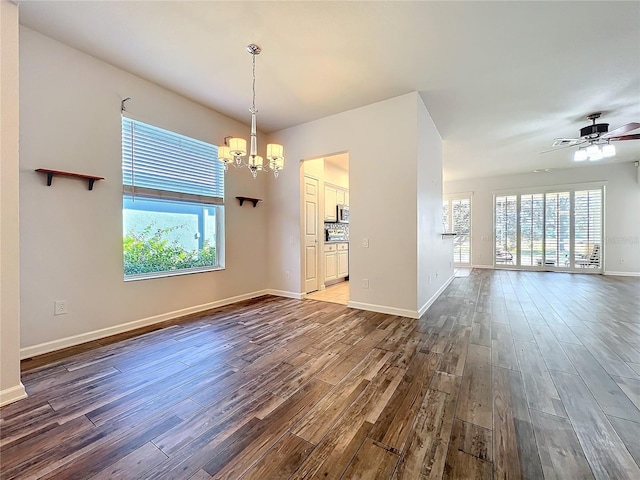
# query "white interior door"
(311, 240)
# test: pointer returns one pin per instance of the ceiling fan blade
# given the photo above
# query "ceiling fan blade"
(561, 142)
(620, 130)
(562, 147)
(633, 136)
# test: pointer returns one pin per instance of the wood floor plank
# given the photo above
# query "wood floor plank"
(454, 354)
(520, 329)
(236, 459)
(42, 441)
(609, 395)
(474, 405)
(560, 452)
(352, 357)
(470, 452)
(337, 447)
(541, 392)
(503, 353)
(515, 450)
(99, 458)
(629, 433)
(480, 334)
(426, 454)
(395, 421)
(630, 387)
(372, 462)
(603, 448)
(133, 465)
(610, 360)
(281, 460)
(551, 351)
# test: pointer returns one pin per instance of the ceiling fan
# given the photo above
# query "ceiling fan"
(596, 139)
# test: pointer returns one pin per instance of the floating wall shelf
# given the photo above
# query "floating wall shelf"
(52, 173)
(249, 199)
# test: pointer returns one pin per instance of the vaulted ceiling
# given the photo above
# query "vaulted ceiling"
(500, 79)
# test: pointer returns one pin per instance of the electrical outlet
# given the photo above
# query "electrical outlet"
(621, 261)
(437, 274)
(60, 307)
(365, 242)
(287, 274)
(365, 283)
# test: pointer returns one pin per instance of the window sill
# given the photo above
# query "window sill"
(172, 273)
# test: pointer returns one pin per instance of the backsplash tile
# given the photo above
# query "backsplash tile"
(340, 227)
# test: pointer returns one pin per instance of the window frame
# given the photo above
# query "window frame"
(132, 191)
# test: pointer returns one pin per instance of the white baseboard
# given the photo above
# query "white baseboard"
(284, 293)
(622, 274)
(383, 309)
(482, 266)
(12, 394)
(32, 351)
(435, 296)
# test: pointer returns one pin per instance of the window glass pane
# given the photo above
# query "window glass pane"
(164, 236)
(506, 214)
(531, 228)
(461, 219)
(557, 229)
(588, 228)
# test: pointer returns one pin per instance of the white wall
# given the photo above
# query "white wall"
(622, 204)
(434, 252)
(71, 238)
(336, 175)
(10, 387)
(383, 201)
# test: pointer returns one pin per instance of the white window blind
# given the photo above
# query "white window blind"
(554, 230)
(588, 228)
(163, 164)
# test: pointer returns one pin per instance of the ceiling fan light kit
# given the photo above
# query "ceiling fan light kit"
(598, 139)
(235, 149)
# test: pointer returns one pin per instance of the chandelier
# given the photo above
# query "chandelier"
(235, 149)
(594, 151)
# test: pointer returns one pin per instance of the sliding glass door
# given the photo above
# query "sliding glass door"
(557, 230)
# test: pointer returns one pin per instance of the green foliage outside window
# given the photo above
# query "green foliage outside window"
(150, 251)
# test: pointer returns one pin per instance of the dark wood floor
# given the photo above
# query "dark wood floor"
(508, 375)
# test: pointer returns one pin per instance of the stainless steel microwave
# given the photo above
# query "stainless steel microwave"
(343, 213)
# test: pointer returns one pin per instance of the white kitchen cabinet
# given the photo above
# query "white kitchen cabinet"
(330, 202)
(334, 196)
(330, 262)
(336, 261)
(343, 261)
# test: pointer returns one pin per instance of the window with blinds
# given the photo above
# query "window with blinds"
(456, 217)
(173, 203)
(554, 230)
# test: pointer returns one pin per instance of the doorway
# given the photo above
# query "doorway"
(325, 228)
